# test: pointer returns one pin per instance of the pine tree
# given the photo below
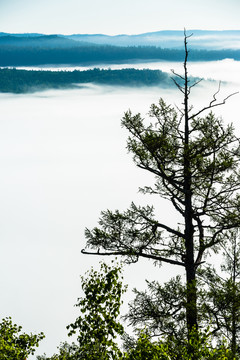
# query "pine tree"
(221, 295)
(195, 162)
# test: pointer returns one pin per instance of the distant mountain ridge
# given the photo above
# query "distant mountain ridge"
(173, 39)
(37, 49)
(48, 41)
(201, 39)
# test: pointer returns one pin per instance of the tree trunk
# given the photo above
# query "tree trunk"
(191, 306)
(234, 305)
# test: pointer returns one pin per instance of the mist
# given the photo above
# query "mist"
(63, 159)
(221, 70)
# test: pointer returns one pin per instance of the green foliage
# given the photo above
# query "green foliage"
(97, 326)
(15, 345)
(199, 344)
(221, 304)
(160, 309)
(145, 349)
(66, 352)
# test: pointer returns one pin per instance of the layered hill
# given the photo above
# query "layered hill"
(201, 39)
(39, 49)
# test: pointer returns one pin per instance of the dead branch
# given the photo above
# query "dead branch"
(124, 253)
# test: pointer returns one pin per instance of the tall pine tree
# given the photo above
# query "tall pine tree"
(195, 162)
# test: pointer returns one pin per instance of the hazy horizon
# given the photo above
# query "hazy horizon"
(78, 16)
(201, 39)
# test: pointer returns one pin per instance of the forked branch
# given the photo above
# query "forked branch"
(212, 105)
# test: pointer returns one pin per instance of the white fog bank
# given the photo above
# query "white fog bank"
(224, 70)
(63, 159)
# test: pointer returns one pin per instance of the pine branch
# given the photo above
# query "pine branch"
(137, 254)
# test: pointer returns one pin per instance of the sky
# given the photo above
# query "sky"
(117, 17)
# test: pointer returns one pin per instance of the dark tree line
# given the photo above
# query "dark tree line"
(21, 81)
(13, 55)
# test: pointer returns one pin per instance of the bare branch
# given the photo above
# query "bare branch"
(123, 253)
(178, 75)
(178, 108)
(214, 95)
(163, 226)
(211, 105)
(178, 85)
(187, 36)
(195, 83)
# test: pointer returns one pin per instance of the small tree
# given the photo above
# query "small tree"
(15, 345)
(221, 297)
(97, 327)
(170, 349)
(195, 161)
(160, 309)
(66, 352)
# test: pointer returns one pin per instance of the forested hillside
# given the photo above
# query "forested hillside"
(22, 81)
(53, 49)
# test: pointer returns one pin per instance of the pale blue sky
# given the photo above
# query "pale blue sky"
(117, 17)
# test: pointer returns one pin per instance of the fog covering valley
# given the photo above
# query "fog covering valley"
(63, 159)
